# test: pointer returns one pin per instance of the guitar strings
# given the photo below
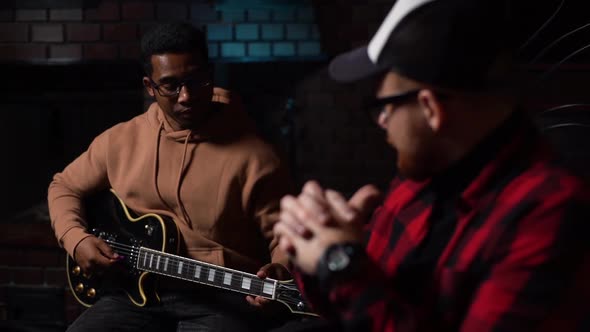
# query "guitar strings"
(124, 250)
(289, 296)
(133, 252)
(255, 281)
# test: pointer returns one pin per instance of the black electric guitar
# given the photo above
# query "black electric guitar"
(148, 244)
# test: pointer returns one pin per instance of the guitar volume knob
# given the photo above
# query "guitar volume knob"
(79, 288)
(91, 293)
(76, 271)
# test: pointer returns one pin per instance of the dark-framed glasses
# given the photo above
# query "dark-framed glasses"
(170, 89)
(374, 106)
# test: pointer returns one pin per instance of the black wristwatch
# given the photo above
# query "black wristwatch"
(339, 261)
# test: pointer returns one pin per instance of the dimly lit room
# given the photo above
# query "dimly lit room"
(72, 69)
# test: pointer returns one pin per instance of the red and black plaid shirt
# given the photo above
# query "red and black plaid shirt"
(516, 257)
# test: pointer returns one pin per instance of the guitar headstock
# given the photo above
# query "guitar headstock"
(288, 294)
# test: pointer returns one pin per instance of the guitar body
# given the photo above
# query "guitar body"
(109, 219)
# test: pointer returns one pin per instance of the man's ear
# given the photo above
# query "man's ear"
(148, 86)
(432, 109)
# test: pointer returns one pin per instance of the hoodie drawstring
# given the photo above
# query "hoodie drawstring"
(157, 165)
(180, 172)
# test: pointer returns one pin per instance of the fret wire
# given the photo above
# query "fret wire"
(256, 283)
(235, 274)
(218, 272)
(189, 262)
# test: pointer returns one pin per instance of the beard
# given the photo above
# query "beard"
(418, 161)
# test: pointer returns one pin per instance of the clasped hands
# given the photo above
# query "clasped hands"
(318, 218)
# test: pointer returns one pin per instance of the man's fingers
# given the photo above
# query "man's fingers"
(285, 233)
(311, 225)
(315, 210)
(292, 212)
(313, 189)
(300, 215)
(310, 204)
(365, 200)
(291, 204)
(362, 203)
(106, 250)
(105, 255)
(292, 222)
(287, 246)
(257, 301)
(340, 208)
(250, 299)
(263, 272)
(289, 240)
(261, 300)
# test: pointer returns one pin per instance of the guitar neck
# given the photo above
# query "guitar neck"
(205, 273)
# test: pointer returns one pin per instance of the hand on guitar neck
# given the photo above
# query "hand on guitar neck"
(94, 255)
(275, 271)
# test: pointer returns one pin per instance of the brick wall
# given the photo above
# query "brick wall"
(33, 277)
(337, 144)
(111, 30)
(61, 117)
(334, 142)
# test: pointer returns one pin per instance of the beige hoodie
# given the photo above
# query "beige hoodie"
(221, 185)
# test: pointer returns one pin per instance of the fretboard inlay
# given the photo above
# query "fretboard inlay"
(246, 283)
(205, 273)
(211, 276)
(227, 278)
(179, 268)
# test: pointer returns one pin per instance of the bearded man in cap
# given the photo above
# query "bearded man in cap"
(482, 229)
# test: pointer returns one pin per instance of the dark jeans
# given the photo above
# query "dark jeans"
(189, 311)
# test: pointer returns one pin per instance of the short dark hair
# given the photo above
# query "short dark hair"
(172, 38)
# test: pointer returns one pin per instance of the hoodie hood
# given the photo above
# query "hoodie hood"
(227, 119)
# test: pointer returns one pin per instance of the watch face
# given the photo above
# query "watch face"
(338, 259)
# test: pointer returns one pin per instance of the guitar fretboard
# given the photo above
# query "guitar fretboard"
(204, 273)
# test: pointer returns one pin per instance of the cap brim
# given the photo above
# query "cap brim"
(352, 66)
